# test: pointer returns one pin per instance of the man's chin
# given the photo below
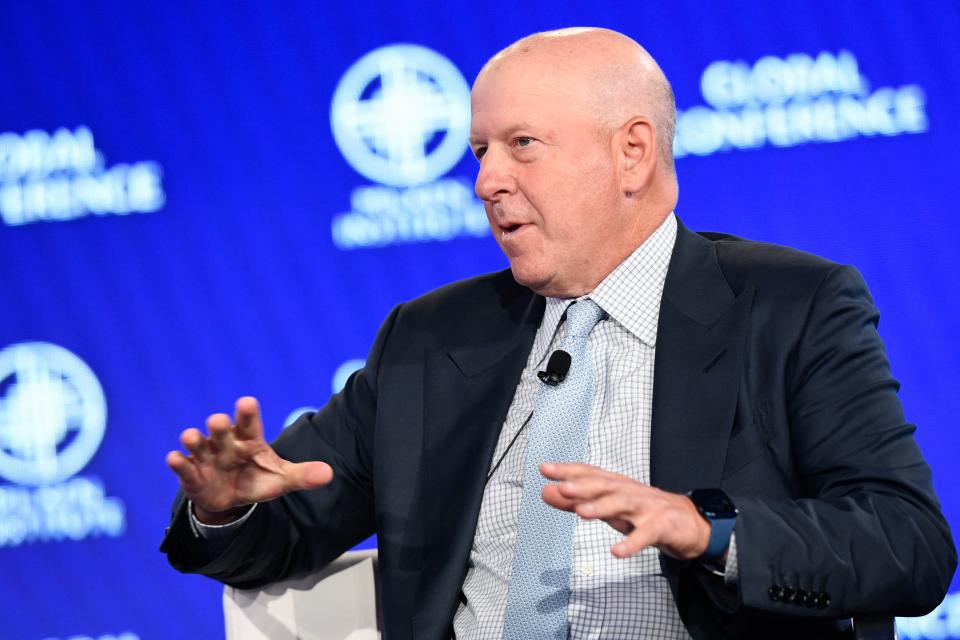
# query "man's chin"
(540, 283)
(528, 277)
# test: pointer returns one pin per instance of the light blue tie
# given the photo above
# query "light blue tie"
(540, 581)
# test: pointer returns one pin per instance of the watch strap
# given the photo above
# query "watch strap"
(720, 532)
(716, 508)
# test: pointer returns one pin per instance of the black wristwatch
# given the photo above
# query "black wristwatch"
(721, 513)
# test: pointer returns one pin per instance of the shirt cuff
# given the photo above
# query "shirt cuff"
(216, 532)
(728, 571)
(730, 574)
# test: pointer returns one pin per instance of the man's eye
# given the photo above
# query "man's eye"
(479, 152)
(523, 141)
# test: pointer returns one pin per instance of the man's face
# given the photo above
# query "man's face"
(547, 177)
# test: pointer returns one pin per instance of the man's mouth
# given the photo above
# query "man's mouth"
(507, 231)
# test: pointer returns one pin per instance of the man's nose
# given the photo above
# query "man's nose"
(495, 179)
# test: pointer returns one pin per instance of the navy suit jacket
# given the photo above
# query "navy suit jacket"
(771, 383)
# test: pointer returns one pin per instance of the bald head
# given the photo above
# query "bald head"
(573, 130)
(609, 73)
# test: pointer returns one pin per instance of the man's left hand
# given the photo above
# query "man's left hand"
(647, 516)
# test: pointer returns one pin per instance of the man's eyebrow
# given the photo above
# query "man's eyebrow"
(506, 133)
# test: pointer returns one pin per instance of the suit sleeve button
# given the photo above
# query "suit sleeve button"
(774, 592)
(790, 595)
(824, 601)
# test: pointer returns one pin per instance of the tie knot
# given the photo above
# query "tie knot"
(582, 316)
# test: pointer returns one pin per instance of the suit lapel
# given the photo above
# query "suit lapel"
(700, 340)
(468, 390)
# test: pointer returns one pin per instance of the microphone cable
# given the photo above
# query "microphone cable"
(557, 368)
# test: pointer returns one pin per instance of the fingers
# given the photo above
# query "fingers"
(571, 493)
(178, 463)
(629, 506)
(194, 442)
(612, 508)
(185, 470)
(565, 470)
(234, 465)
(249, 423)
(571, 470)
(578, 483)
(617, 500)
(219, 428)
(638, 540)
(222, 432)
(646, 515)
(610, 502)
(307, 475)
(552, 496)
(593, 487)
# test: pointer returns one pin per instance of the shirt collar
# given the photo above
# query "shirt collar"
(630, 294)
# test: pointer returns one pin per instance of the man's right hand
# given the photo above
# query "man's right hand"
(234, 466)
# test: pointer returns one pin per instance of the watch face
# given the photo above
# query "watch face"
(713, 503)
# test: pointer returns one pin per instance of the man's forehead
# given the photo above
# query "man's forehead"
(526, 86)
(521, 67)
(502, 103)
(505, 112)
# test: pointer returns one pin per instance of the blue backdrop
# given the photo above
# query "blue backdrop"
(203, 201)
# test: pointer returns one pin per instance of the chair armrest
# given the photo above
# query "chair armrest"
(336, 603)
(874, 627)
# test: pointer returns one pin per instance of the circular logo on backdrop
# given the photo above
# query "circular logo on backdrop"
(52, 413)
(401, 115)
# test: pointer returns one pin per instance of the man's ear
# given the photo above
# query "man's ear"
(638, 154)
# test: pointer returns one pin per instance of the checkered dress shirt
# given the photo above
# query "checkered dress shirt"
(609, 597)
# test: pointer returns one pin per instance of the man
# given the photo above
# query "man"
(750, 373)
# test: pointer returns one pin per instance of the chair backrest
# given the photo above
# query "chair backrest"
(338, 603)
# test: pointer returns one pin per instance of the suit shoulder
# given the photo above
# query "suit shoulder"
(768, 266)
(486, 290)
(471, 309)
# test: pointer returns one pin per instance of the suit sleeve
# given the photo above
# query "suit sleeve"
(304, 530)
(866, 533)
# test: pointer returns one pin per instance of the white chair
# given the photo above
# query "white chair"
(338, 603)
